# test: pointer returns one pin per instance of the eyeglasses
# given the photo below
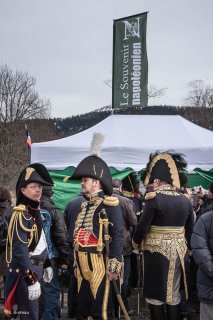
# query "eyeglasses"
(34, 186)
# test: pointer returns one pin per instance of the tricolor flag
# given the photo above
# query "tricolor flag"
(28, 140)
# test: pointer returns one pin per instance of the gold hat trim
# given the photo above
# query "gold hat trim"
(29, 171)
(172, 167)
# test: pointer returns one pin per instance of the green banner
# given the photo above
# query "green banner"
(130, 64)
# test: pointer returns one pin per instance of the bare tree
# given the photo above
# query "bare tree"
(200, 94)
(153, 92)
(19, 102)
(18, 98)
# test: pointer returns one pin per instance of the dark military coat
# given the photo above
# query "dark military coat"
(24, 232)
(164, 209)
(82, 213)
(86, 220)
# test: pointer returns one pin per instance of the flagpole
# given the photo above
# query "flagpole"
(28, 140)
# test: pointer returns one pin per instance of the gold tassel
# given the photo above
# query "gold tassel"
(100, 236)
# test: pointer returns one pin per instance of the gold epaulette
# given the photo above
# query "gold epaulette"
(110, 201)
(150, 195)
(20, 207)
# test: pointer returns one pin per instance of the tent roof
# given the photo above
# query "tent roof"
(129, 139)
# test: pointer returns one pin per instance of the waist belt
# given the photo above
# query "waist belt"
(37, 262)
(159, 229)
(88, 249)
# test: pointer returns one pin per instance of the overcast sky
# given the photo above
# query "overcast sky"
(67, 46)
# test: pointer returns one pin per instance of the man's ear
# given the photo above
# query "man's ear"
(23, 191)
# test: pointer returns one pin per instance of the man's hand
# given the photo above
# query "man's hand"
(34, 291)
(112, 275)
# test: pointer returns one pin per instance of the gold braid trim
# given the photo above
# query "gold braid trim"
(165, 229)
(102, 221)
(150, 195)
(85, 217)
(15, 222)
(114, 265)
(93, 275)
(111, 201)
(105, 299)
(78, 274)
(168, 190)
(168, 241)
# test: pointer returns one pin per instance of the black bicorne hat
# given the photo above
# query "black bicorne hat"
(94, 167)
(35, 172)
(167, 166)
(130, 183)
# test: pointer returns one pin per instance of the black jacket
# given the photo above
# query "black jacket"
(202, 249)
(114, 214)
(58, 229)
(166, 209)
(129, 220)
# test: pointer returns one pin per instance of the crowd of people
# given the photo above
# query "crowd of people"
(98, 239)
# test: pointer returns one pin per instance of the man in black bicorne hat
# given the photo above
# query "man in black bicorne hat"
(166, 223)
(87, 229)
(26, 251)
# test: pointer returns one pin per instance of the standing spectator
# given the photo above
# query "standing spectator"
(26, 250)
(202, 250)
(94, 269)
(5, 203)
(167, 217)
(58, 250)
(129, 221)
(130, 189)
(207, 199)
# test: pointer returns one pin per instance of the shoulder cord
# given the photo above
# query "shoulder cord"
(13, 227)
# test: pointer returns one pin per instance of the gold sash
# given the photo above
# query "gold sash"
(170, 242)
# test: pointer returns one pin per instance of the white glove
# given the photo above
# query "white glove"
(34, 291)
(48, 274)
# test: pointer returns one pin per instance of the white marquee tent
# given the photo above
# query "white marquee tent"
(129, 139)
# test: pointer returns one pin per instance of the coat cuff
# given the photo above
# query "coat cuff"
(30, 277)
(114, 265)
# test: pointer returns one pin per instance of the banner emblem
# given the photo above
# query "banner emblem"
(132, 29)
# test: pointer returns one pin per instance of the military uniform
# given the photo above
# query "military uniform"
(163, 234)
(26, 250)
(167, 218)
(87, 229)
